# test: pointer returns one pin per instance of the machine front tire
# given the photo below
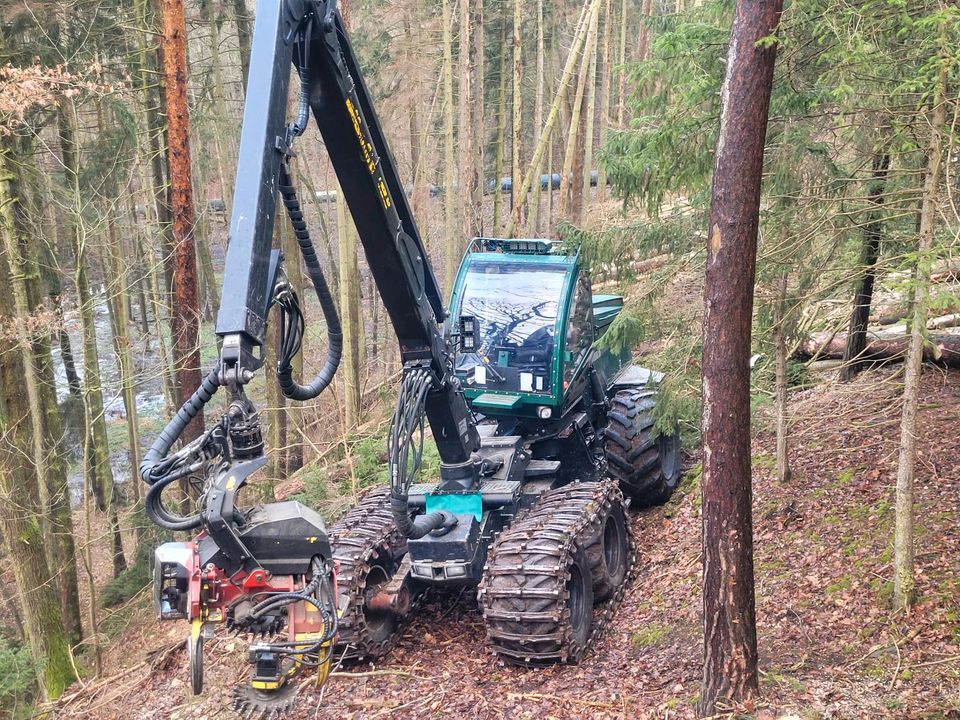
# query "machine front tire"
(647, 467)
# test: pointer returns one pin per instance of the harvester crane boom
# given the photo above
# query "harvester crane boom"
(312, 37)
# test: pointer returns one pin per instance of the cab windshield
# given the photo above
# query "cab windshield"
(514, 306)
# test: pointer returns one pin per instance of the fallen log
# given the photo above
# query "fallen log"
(941, 348)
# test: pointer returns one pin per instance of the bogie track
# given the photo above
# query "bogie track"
(368, 548)
(572, 548)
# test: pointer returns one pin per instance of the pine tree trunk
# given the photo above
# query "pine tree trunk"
(904, 589)
(729, 609)
(478, 181)
(185, 319)
(55, 293)
(869, 254)
(21, 510)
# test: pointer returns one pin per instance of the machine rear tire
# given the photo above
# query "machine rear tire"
(647, 467)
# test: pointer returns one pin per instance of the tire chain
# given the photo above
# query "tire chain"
(558, 522)
(360, 537)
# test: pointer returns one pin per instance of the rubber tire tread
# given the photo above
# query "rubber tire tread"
(631, 450)
(524, 592)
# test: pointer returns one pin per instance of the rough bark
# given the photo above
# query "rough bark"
(471, 106)
(538, 121)
(20, 506)
(869, 254)
(185, 316)
(729, 609)
(904, 583)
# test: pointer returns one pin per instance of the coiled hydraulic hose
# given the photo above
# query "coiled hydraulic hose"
(288, 386)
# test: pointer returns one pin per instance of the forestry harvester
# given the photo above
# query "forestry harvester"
(543, 438)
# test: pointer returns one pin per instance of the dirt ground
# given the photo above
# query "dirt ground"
(829, 645)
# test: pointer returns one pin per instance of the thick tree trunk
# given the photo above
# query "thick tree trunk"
(20, 507)
(185, 318)
(904, 590)
(869, 253)
(538, 122)
(729, 610)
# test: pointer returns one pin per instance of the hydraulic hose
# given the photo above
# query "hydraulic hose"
(422, 524)
(153, 505)
(288, 386)
(155, 456)
(405, 452)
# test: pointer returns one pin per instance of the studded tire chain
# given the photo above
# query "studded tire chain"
(365, 534)
(524, 592)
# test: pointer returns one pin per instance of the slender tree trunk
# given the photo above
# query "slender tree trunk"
(869, 254)
(538, 121)
(501, 131)
(622, 73)
(589, 116)
(729, 610)
(569, 197)
(349, 313)
(152, 93)
(185, 319)
(21, 509)
(904, 590)
(579, 38)
(244, 36)
(780, 400)
(605, 83)
(449, 159)
(479, 116)
(517, 201)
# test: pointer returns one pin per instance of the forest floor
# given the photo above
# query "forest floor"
(830, 647)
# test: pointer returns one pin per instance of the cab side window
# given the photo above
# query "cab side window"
(579, 326)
